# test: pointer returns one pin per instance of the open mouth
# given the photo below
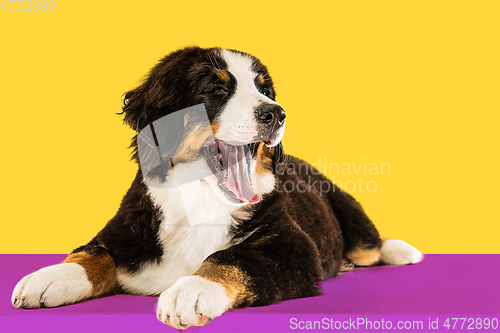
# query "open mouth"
(230, 163)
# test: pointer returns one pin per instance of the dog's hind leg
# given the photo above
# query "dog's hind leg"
(362, 243)
(88, 271)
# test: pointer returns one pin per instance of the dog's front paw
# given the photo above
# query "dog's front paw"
(52, 286)
(398, 252)
(192, 301)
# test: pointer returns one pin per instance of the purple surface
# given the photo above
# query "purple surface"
(442, 285)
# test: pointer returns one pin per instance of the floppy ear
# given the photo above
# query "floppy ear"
(159, 94)
(133, 109)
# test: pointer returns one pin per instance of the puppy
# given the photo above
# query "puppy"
(217, 217)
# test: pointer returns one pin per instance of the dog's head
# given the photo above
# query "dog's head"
(243, 142)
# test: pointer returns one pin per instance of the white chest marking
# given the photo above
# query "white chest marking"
(185, 245)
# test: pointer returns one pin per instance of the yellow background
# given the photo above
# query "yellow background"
(413, 84)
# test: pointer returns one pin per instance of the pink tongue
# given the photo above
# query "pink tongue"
(238, 181)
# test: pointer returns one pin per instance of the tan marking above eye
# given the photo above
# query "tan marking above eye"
(261, 79)
(222, 74)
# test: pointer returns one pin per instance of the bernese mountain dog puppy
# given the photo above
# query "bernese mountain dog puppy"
(246, 227)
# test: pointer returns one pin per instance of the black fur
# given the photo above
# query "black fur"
(294, 238)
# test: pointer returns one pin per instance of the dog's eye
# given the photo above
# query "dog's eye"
(219, 90)
(266, 92)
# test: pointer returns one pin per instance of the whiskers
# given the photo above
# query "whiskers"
(287, 144)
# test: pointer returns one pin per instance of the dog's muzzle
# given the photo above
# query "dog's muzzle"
(270, 117)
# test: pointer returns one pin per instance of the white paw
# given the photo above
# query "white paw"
(398, 252)
(52, 286)
(192, 301)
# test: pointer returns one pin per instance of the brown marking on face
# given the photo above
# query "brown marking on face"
(264, 159)
(223, 75)
(261, 79)
(235, 281)
(364, 256)
(100, 269)
(192, 142)
(215, 125)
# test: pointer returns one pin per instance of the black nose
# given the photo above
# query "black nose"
(270, 115)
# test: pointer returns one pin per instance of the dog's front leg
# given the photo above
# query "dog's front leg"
(268, 267)
(89, 271)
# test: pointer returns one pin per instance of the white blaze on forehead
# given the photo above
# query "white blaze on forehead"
(237, 121)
